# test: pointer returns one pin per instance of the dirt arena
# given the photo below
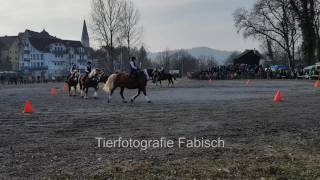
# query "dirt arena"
(263, 139)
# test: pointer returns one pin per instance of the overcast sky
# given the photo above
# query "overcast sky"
(169, 24)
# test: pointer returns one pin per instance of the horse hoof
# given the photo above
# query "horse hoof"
(131, 100)
(149, 102)
(125, 101)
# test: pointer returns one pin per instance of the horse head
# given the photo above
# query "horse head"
(96, 74)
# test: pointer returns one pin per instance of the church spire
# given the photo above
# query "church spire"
(85, 36)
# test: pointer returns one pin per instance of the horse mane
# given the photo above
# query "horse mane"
(93, 72)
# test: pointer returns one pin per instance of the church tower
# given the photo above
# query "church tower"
(85, 36)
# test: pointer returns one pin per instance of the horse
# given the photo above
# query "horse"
(92, 80)
(158, 77)
(124, 80)
(72, 81)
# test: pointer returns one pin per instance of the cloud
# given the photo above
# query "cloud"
(167, 23)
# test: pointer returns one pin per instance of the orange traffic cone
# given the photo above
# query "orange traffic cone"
(54, 92)
(27, 107)
(248, 82)
(278, 97)
(65, 88)
(317, 84)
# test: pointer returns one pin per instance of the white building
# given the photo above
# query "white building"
(43, 56)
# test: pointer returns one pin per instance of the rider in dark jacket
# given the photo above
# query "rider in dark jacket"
(133, 67)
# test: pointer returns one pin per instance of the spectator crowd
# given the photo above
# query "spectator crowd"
(229, 72)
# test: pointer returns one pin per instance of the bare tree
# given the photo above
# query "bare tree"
(130, 29)
(164, 59)
(272, 20)
(106, 16)
(306, 11)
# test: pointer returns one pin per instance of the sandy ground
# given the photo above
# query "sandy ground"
(263, 139)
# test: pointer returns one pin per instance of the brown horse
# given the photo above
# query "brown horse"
(92, 80)
(158, 77)
(123, 81)
(72, 81)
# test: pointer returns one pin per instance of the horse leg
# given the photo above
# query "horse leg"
(135, 97)
(145, 95)
(95, 94)
(86, 92)
(69, 87)
(110, 95)
(75, 90)
(81, 90)
(72, 93)
(122, 96)
(171, 81)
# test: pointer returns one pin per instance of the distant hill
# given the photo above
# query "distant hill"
(220, 55)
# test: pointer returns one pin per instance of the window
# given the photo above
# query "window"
(41, 56)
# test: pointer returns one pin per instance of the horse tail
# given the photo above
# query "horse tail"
(110, 83)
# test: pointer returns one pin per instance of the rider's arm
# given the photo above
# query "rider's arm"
(87, 69)
(133, 66)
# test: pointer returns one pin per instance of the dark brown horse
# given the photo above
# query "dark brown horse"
(158, 77)
(72, 82)
(92, 80)
(123, 81)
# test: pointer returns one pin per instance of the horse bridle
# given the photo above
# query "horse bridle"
(98, 76)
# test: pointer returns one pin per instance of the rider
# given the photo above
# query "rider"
(73, 70)
(88, 69)
(133, 67)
